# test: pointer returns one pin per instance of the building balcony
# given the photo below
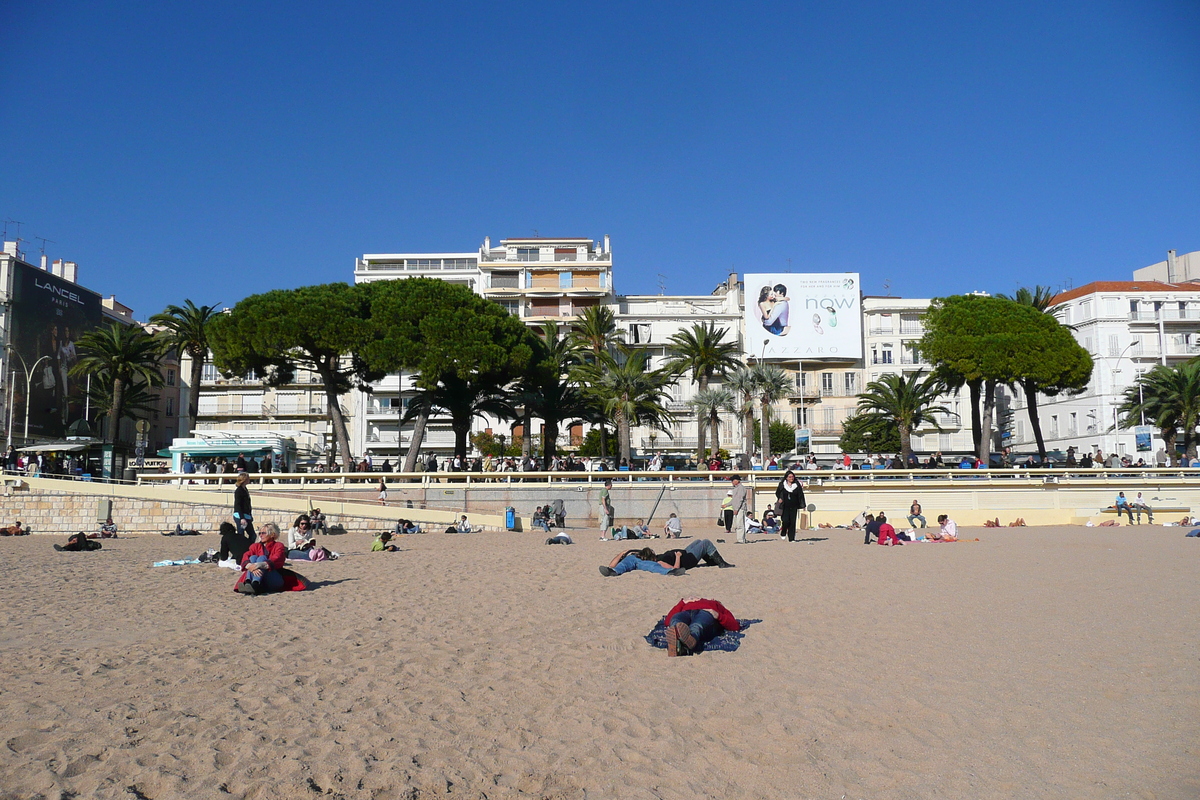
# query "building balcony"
(551, 258)
(1168, 315)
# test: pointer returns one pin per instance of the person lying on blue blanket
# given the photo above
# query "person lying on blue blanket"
(693, 622)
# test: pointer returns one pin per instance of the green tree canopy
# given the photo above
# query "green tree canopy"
(904, 402)
(884, 438)
(187, 329)
(702, 350)
(983, 342)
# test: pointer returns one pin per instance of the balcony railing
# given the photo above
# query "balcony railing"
(1168, 315)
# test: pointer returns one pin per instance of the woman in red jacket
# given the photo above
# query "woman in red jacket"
(695, 621)
(263, 563)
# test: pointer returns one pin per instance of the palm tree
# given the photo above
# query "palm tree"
(703, 350)
(1171, 397)
(629, 394)
(119, 355)
(548, 390)
(742, 383)
(903, 402)
(187, 330)
(464, 401)
(771, 384)
(595, 334)
(710, 403)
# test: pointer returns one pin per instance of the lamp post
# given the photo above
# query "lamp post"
(28, 380)
(867, 435)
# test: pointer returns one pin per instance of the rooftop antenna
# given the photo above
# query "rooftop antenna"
(8, 222)
(44, 240)
(887, 286)
(662, 284)
(535, 233)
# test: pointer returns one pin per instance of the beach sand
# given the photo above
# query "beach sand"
(1035, 663)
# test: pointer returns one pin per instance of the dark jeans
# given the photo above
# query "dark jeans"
(701, 623)
(728, 513)
(787, 516)
(701, 549)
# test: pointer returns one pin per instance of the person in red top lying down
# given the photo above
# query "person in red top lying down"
(693, 622)
(262, 566)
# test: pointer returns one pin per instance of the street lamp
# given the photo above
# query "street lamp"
(867, 435)
(28, 380)
(1137, 376)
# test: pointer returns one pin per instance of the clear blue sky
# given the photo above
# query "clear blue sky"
(214, 150)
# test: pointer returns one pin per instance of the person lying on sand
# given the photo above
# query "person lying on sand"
(643, 559)
(77, 543)
(690, 557)
(695, 621)
(561, 538)
(14, 530)
(381, 543)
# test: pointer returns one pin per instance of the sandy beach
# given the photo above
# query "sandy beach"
(1034, 663)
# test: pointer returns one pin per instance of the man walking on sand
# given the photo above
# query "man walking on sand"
(606, 510)
(739, 508)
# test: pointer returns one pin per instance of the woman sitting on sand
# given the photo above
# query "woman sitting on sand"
(262, 566)
(694, 622)
(947, 532)
(300, 540)
(234, 543)
(643, 559)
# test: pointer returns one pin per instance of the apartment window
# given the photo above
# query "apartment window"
(944, 441)
(529, 254)
(170, 377)
(802, 417)
(564, 279)
(885, 355)
(1085, 310)
(1073, 424)
(209, 373)
(1054, 426)
(170, 406)
(1136, 348)
(851, 380)
(506, 280)
(826, 383)
(513, 307)
(830, 419)
(1114, 345)
(564, 254)
(1087, 344)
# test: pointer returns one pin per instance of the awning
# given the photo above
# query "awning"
(54, 447)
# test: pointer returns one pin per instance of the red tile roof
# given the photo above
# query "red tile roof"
(1124, 287)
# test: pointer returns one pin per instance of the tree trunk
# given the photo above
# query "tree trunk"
(748, 432)
(1168, 437)
(603, 444)
(1034, 421)
(701, 422)
(527, 439)
(976, 425)
(765, 433)
(114, 413)
(462, 432)
(985, 428)
(549, 441)
(193, 409)
(335, 415)
(414, 445)
(623, 438)
(714, 423)
(905, 444)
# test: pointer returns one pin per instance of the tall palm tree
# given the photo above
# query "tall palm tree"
(548, 390)
(629, 394)
(119, 355)
(702, 349)
(187, 330)
(905, 402)
(771, 384)
(742, 383)
(596, 335)
(1171, 397)
(710, 403)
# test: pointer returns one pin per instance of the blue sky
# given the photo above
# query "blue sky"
(214, 150)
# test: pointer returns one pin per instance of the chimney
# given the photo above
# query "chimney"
(607, 245)
(56, 268)
(45, 259)
(70, 271)
(733, 280)
(10, 249)
(1170, 266)
(487, 243)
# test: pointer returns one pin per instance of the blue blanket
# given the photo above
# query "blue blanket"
(727, 642)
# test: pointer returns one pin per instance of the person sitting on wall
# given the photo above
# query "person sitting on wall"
(1122, 506)
(541, 519)
(644, 559)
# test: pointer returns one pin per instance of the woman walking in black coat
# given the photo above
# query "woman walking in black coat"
(791, 500)
(243, 515)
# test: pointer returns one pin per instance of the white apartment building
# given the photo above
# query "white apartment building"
(648, 323)
(1129, 327)
(540, 279)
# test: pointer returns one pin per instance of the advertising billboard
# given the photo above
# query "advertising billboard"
(797, 316)
(49, 314)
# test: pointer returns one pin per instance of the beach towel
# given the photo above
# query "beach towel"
(178, 562)
(727, 642)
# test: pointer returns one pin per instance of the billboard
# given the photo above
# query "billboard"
(793, 316)
(49, 314)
